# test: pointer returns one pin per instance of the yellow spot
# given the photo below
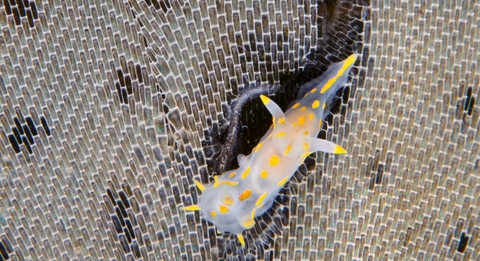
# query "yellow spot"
(199, 185)
(294, 124)
(347, 63)
(305, 146)
(280, 134)
(305, 133)
(295, 105)
(245, 195)
(264, 174)
(223, 209)
(274, 160)
(283, 181)
(232, 174)
(301, 120)
(228, 200)
(305, 155)
(315, 104)
(191, 208)
(313, 90)
(246, 172)
(249, 223)
(260, 199)
(213, 213)
(320, 124)
(265, 99)
(339, 150)
(324, 105)
(242, 241)
(287, 150)
(281, 120)
(304, 108)
(310, 116)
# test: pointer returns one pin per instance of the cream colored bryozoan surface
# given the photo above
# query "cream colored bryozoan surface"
(107, 112)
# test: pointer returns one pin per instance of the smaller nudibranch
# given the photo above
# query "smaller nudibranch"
(237, 196)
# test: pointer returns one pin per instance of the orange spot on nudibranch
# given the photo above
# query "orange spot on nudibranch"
(245, 195)
(304, 108)
(301, 120)
(295, 105)
(213, 213)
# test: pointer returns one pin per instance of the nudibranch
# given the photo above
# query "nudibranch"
(237, 196)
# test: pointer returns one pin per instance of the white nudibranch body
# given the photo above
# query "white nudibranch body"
(238, 196)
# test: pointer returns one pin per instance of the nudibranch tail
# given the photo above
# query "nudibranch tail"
(345, 66)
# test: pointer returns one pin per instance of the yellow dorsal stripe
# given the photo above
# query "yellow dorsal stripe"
(246, 172)
(199, 185)
(349, 62)
(260, 199)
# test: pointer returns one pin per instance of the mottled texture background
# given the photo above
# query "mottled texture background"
(108, 112)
